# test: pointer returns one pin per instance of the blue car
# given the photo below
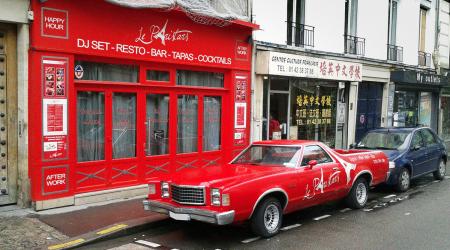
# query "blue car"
(412, 152)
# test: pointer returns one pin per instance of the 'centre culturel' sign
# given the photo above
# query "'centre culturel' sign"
(313, 67)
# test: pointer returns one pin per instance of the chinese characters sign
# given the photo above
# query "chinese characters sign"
(313, 110)
(313, 67)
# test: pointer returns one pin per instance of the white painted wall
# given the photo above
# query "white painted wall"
(271, 17)
(14, 11)
(328, 18)
(444, 40)
(373, 20)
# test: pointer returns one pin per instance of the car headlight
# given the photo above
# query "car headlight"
(391, 165)
(151, 189)
(215, 197)
(165, 190)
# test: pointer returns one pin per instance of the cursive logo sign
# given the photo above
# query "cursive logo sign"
(156, 32)
(320, 184)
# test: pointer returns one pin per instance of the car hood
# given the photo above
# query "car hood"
(392, 154)
(225, 175)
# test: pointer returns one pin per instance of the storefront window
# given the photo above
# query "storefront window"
(406, 105)
(90, 126)
(425, 109)
(187, 124)
(158, 75)
(124, 125)
(445, 105)
(157, 124)
(108, 72)
(211, 123)
(199, 78)
(313, 111)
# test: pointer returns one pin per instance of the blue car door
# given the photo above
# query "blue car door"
(417, 155)
(433, 150)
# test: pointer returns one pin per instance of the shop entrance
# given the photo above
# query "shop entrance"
(279, 105)
(8, 114)
(370, 98)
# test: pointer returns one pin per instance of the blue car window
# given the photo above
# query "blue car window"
(428, 137)
(417, 140)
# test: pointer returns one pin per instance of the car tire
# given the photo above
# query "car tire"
(357, 197)
(439, 174)
(267, 219)
(403, 181)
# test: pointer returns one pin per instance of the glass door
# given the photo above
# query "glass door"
(278, 117)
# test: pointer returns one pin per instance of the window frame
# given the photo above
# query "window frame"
(318, 164)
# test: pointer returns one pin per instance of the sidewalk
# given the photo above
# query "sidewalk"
(70, 226)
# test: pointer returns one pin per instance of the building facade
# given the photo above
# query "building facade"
(372, 40)
(116, 107)
(14, 33)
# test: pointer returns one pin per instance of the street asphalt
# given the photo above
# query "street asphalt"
(417, 219)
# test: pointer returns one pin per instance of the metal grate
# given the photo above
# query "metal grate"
(355, 45)
(424, 59)
(190, 195)
(395, 53)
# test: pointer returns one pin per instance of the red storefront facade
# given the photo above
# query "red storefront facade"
(120, 96)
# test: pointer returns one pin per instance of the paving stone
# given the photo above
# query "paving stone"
(26, 233)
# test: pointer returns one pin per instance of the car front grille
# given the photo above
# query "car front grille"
(190, 195)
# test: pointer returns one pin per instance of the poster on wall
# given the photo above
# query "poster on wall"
(54, 109)
(240, 109)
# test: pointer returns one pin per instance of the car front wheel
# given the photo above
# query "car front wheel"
(267, 219)
(439, 174)
(404, 180)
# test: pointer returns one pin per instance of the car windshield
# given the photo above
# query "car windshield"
(269, 155)
(388, 140)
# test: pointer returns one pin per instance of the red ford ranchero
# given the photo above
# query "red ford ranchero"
(267, 180)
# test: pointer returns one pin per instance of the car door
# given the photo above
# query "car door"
(417, 154)
(433, 150)
(324, 179)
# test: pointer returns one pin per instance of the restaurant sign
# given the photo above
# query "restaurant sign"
(313, 67)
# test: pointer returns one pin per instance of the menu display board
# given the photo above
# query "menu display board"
(54, 108)
(240, 109)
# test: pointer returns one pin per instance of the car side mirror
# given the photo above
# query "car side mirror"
(417, 147)
(312, 163)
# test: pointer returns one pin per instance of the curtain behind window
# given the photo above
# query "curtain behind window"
(187, 124)
(211, 123)
(199, 78)
(90, 126)
(124, 125)
(157, 124)
(109, 72)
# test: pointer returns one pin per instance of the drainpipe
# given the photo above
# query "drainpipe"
(436, 57)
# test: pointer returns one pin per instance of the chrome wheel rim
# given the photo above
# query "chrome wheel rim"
(404, 180)
(442, 168)
(271, 218)
(361, 193)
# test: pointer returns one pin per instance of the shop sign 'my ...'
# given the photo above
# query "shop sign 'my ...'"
(312, 67)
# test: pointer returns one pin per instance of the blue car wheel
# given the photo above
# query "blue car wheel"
(404, 180)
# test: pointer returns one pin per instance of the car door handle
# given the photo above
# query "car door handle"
(335, 168)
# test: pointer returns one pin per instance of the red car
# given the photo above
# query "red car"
(267, 180)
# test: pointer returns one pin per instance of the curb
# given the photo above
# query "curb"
(108, 232)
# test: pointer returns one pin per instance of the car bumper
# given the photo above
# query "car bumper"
(180, 213)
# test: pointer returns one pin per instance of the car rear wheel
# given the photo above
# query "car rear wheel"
(267, 219)
(439, 174)
(404, 180)
(357, 198)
